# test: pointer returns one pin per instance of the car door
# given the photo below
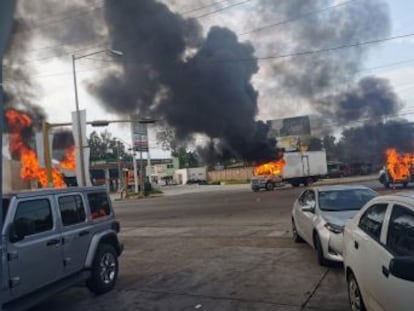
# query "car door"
(394, 293)
(303, 218)
(368, 252)
(34, 248)
(76, 231)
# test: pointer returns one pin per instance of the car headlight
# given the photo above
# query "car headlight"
(334, 228)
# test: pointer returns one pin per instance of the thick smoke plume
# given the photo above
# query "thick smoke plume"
(196, 84)
(371, 99)
(202, 83)
(20, 89)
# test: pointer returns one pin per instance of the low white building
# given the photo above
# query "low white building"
(163, 173)
(182, 176)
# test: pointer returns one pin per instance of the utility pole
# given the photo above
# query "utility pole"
(6, 20)
(47, 155)
(79, 125)
(134, 160)
(141, 170)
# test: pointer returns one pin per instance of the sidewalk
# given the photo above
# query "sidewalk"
(347, 180)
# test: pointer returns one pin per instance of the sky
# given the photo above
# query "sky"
(57, 92)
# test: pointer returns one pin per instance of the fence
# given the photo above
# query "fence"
(244, 173)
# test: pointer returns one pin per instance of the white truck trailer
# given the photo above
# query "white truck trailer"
(301, 168)
(304, 167)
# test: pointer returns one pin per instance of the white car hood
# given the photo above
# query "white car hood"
(338, 218)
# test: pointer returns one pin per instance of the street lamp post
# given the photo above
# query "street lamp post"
(79, 125)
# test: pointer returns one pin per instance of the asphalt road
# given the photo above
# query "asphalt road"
(221, 249)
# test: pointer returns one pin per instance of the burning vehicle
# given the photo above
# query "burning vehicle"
(295, 168)
(399, 169)
(18, 123)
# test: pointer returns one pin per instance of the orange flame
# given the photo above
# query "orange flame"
(398, 165)
(270, 168)
(69, 160)
(18, 122)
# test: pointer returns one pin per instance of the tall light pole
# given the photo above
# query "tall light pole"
(78, 115)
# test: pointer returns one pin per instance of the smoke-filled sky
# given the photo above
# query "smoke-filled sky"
(179, 61)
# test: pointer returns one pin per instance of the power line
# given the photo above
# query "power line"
(269, 57)
(103, 43)
(298, 17)
(203, 7)
(223, 9)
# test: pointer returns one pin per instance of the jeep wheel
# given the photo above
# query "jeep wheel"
(104, 270)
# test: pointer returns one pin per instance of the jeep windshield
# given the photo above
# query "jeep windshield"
(345, 200)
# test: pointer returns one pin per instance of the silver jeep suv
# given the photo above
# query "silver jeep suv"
(54, 239)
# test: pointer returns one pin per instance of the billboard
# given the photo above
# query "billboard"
(291, 133)
(140, 136)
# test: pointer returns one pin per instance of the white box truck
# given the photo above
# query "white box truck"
(304, 167)
(301, 168)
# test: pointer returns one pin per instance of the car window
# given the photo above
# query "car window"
(71, 209)
(400, 240)
(372, 220)
(307, 197)
(33, 217)
(99, 204)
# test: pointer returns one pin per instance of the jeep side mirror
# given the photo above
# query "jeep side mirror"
(402, 268)
(14, 234)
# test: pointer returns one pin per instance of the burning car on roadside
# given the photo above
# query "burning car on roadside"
(399, 169)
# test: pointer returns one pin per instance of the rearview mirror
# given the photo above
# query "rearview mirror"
(14, 234)
(309, 207)
(402, 268)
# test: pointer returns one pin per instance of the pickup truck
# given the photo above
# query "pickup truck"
(54, 239)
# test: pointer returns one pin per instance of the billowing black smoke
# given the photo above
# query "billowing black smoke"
(367, 143)
(371, 99)
(20, 89)
(202, 83)
(195, 84)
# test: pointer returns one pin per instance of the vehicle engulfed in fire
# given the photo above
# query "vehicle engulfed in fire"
(399, 169)
(295, 168)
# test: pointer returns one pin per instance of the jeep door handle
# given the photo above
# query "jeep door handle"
(356, 244)
(83, 233)
(53, 242)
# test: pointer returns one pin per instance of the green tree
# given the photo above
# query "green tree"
(331, 148)
(186, 158)
(104, 147)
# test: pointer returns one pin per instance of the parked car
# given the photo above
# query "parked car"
(379, 255)
(337, 169)
(319, 216)
(54, 239)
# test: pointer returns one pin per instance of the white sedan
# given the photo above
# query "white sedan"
(319, 216)
(379, 255)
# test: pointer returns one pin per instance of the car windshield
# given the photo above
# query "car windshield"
(344, 200)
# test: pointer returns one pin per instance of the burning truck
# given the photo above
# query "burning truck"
(18, 123)
(399, 169)
(295, 168)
